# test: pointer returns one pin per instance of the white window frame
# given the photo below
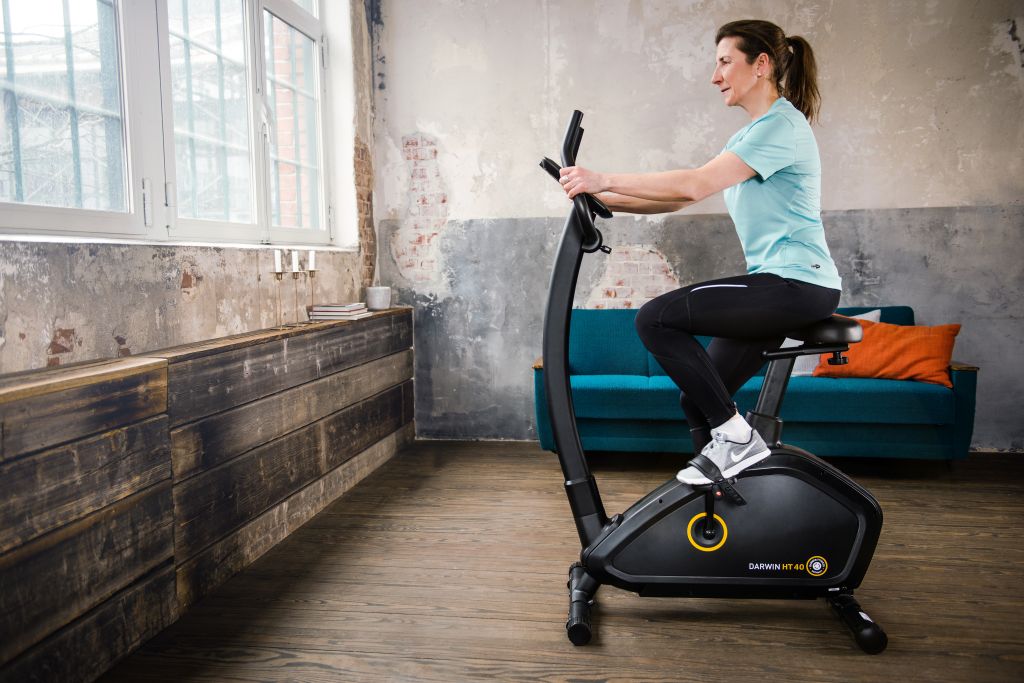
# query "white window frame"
(147, 107)
(140, 108)
(312, 27)
(197, 229)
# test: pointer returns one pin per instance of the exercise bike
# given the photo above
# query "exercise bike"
(791, 526)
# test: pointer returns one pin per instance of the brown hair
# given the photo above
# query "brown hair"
(794, 69)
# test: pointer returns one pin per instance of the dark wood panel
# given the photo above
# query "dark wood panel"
(58, 407)
(201, 445)
(350, 431)
(43, 491)
(206, 571)
(210, 384)
(34, 375)
(209, 347)
(209, 505)
(449, 564)
(84, 649)
(59, 576)
(408, 401)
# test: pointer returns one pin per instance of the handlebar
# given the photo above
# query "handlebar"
(585, 205)
(572, 139)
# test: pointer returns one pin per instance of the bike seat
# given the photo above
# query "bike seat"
(834, 330)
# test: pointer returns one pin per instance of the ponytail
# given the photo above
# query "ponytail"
(794, 68)
(801, 78)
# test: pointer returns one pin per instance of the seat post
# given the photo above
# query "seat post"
(765, 416)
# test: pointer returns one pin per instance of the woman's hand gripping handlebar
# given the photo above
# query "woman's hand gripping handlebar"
(595, 205)
(585, 205)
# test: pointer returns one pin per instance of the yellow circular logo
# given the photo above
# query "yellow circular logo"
(816, 566)
(702, 548)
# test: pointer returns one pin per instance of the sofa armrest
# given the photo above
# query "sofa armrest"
(965, 385)
(538, 364)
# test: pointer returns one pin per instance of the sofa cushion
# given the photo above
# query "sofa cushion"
(856, 399)
(808, 399)
(622, 397)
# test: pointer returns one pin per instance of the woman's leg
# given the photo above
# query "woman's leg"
(735, 361)
(747, 314)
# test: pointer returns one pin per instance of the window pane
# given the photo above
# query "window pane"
(294, 100)
(61, 130)
(211, 110)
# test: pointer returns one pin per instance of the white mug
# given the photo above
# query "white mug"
(378, 298)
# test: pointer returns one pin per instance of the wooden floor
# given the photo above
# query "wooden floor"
(449, 563)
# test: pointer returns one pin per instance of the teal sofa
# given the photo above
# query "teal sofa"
(625, 402)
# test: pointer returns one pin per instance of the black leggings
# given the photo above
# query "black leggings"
(746, 315)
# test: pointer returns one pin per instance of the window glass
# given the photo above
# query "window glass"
(61, 125)
(294, 103)
(212, 149)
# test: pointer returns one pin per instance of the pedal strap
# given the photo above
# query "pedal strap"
(709, 469)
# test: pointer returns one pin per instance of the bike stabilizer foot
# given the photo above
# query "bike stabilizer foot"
(869, 636)
(582, 588)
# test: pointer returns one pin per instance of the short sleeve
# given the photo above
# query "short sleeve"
(769, 145)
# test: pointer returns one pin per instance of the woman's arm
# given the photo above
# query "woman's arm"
(625, 204)
(684, 185)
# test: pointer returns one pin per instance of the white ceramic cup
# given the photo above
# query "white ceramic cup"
(378, 298)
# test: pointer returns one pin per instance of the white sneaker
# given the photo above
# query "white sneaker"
(730, 457)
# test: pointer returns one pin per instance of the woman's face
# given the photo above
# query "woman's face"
(733, 76)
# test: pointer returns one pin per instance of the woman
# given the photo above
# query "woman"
(771, 175)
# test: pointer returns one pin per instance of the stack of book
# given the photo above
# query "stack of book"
(337, 311)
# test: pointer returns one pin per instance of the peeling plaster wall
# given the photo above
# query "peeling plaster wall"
(920, 140)
(64, 303)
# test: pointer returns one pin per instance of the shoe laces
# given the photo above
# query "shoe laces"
(715, 448)
(717, 439)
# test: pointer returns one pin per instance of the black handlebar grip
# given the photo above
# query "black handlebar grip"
(552, 169)
(576, 143)
(569, 141)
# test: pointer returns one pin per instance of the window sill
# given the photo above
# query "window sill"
(74, 239)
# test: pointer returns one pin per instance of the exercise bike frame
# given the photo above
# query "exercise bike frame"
(592, 522)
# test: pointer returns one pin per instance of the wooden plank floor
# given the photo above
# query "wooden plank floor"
(449, 563)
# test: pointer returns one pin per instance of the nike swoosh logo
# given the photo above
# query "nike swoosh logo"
(742, 454)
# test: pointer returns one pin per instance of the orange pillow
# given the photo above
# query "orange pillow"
(897, 352)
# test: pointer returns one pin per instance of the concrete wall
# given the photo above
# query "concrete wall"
(921, 147)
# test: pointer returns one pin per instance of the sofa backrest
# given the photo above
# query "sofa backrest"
(605, 342)
(894, 315)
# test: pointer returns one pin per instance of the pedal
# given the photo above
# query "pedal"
(725, 487)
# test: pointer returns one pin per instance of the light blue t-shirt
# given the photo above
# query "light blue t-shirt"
(778, 211)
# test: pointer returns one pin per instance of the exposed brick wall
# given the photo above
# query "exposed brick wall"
(296, 198)
(634, 274)
(364, 202)
(415, 247)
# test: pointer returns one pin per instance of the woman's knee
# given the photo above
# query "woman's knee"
(647, 319)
